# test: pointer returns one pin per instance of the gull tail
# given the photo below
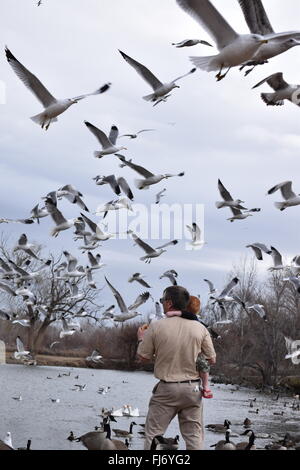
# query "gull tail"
(41, 120)
(151, 97)
(270, 99)
(205, 63)
(140, 184)
(280, 205)
(98, 155)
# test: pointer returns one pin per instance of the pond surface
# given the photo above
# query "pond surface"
(48, 423)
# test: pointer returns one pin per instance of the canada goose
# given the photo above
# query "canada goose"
(219, 427)
(27, 446)
(254, 411)
(96, 440)
(225, 445)
(247, 445)
(118, 445)
(71, 437)
(121, 433)
(164, 443)
(275, 446)
(4, 446)
(247, 422)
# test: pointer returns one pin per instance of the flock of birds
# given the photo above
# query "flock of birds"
(17, 280)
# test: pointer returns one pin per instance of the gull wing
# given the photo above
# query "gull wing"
(72, 261)
(7, 289)
(143, 283)
(235, 211)
(113, 135)
(30, 80)
(223, 191)
(100, 135)
(210, 285)
(277, 258)
(173, 242)
(185, 75)
(125, 187)
(145, 130)
(55, 213)
(18, 269)
(140, 300)
(93, 226)
(139, 169)
(275, 81)
(145, 73)
(92, 259)
(20, 345)
(147, 248)
(285, 188)
(97, 92)
(229, 287)
(256, 17)
(118, 297)
(210, 19)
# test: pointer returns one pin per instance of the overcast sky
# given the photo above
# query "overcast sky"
(222, 130)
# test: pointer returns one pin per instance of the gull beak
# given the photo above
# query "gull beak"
(74, 101)
(264, 41)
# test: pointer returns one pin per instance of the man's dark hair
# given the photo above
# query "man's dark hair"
(178, 295)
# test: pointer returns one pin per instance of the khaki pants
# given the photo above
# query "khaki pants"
(170, 399)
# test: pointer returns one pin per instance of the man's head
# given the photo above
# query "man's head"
(175, 298)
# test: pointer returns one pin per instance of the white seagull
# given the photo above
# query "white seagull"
(151, 252)
(224, 295)
(97, 234)
(21, 354)
(134, 136)
(149, 178)
(53, 107)
(234, 49)
(61, 222)
(160, 195)
(290, 198)
(95, 357)
(108, 143)
(260, 310)
(292, 347)
(95, 261)
(171, 275)
(190, 43)
(258, 248)
(195, 232)
(259, 23)
(25, 246)
(282, 91)
(160, 89)
(126, 313)
(277, 260)
(38, 213)
(137, 277)
(228, 200)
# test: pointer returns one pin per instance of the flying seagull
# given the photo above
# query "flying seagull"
(137, 277)
(149, 178)
(160, 195)
(126, 312)
(234, 49)
(151, 252)
(283, 91)
(171, 275)
(292, 348)
(25, 246)
(190, 43)
(160, 89)
(277, 260)
(224, 295)
(134, 136)
(228, 200)
(53, 107)
(290, 198)
(60, 222)
(195, 232)
(259, 23)
(258, 248)
(108, 143)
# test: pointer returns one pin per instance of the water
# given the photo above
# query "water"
(48, 424)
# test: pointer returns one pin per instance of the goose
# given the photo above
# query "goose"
(28, 445)
(118, 445)
(247, 422)
(4, 446)
(164, 443)
(219, 427)
(121, 433)
(107, 143)
(254, 411)
(160, 89)
(71, 436)
(96, 440)
(52, 106)
(247, 445)
(225, 445)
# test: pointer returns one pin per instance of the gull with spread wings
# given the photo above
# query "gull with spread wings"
(151, 252)
(282, 91)
(126, 312)
(53, 107)
(108, 143)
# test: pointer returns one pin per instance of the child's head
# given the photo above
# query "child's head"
(194, 305)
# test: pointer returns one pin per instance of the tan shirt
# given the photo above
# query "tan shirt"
(176, 342)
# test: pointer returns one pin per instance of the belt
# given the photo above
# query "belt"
(180, 381)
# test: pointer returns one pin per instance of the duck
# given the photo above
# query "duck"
(247, 422)
(219, 427)
(164, 443)
(247, 445)
(225, 445)
(121, 433)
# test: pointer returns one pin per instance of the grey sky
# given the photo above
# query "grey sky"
(223, 130)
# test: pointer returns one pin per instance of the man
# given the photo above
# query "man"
(174, 344)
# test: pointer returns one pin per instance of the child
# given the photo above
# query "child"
(201, 363)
